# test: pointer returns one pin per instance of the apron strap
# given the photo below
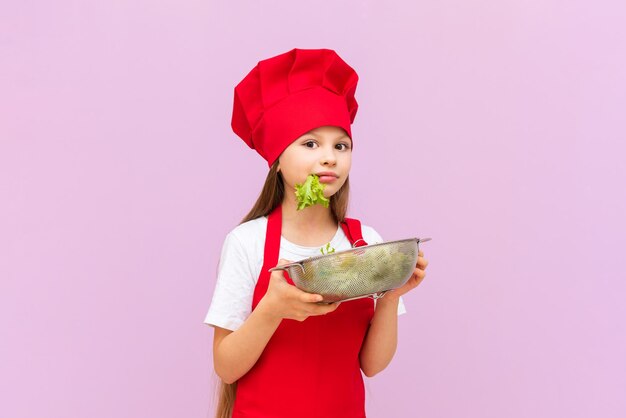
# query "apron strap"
(272, 238)
(270, 254)
(352, 229)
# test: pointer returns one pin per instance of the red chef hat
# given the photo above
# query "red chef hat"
(285, 96)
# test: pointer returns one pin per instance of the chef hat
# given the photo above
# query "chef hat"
(285, 96)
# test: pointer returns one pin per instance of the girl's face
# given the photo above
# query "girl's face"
(323, 149)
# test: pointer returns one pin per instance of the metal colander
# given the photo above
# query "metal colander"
(367, 271)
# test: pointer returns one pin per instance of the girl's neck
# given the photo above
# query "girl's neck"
(311, 225)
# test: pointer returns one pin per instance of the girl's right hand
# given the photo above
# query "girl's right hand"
(284, 301)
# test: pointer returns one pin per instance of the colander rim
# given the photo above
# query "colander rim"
(352, 250)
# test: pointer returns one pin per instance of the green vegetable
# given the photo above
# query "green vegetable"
(347, 272)
(332, 250)
(347, 261)
(311, 192)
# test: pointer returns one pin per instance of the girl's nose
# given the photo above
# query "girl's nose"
(330, 160)
(329, 157)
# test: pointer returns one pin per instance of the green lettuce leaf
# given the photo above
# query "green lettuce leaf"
(329, 249)
(311, 192)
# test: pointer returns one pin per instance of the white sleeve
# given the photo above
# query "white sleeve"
(375, 238)
(232, 299)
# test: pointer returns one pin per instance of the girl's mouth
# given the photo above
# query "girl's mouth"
(327, 179)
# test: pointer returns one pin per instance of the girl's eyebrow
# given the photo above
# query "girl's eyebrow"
(336, 139)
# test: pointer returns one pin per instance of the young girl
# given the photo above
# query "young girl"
(278, 352)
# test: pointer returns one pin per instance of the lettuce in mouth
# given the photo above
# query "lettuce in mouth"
(311, 193)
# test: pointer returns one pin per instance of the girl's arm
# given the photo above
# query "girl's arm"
(381, 341)
(235, 352)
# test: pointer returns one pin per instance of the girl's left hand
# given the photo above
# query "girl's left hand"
(414, 281)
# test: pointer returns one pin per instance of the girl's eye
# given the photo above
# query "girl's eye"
(346, 146)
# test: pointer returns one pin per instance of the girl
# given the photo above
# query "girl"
(277, 351)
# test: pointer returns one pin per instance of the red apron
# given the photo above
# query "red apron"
(309, 369)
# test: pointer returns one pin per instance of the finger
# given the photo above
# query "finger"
(333, 306)
(278, 275)
(325, 309)
(419, 273)
(282, 262)
(310, 297)
(422, 262)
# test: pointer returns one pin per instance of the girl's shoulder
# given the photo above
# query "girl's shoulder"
(247, 238)
(250, 229)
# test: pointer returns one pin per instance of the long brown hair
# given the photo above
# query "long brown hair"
(272, 195)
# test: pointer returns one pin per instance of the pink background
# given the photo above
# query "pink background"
(494, 127)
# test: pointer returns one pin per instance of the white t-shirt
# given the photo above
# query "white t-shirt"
(241, 261)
